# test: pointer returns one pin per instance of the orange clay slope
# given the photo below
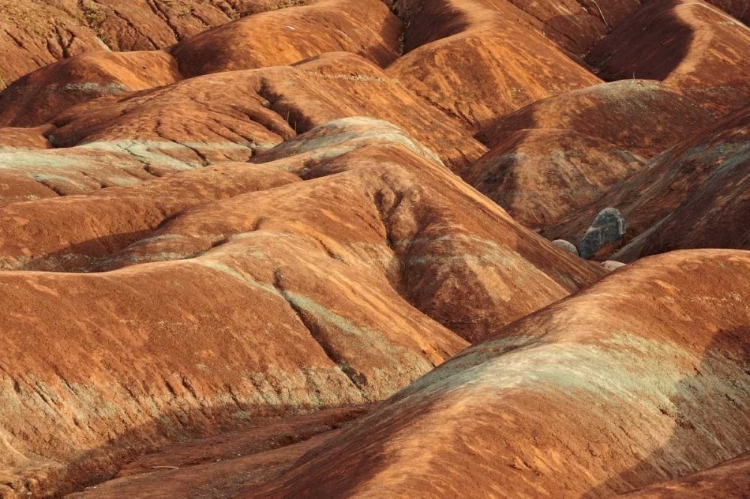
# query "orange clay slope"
(640, 116)
(539, 176)
(261, 250)
(694, 195)
(689, 44)
(730, 480)
(229, 116)
(639, 379)
(264, 297)
(277, 37)
(478, 60)
(35, 33)
(561, 154)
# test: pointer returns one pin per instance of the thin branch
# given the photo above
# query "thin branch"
(602, 15)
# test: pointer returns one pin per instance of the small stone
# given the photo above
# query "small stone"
(612, 265)
(565, 245)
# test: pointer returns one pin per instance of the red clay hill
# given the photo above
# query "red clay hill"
(328, 248)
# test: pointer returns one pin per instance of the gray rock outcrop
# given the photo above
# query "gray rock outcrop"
(608, 228)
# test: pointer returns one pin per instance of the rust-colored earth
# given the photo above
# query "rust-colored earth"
(330, 248)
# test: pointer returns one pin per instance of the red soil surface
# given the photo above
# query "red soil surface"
(481, 59)
(689, 44)
(342, 313)
(641, 378)
(34, 33)
(730, 479)
(539, 176)
(260, 248)
(694, 195)
(656, 115)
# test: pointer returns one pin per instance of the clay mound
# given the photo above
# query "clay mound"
(656, 116)
(479, 60)
(39, 96)
(253, 110)
(688, 44)
(714, 216)
(279, 38)
(577, 26)
(730, 480)
(27, 174)
(716, 192)
(78, 234)
(639, 379)
(221, 117)
(35, 33)
(157, 24)
(220, 249)
(541, 176)
(574, 26)
(692, 196)
(264, 299)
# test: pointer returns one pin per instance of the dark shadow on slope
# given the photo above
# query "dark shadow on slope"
(367, 456)
(85, 256)
(580, 31)
(178, 428)
(699, 440)
(430, 21)
(496, 131)
(649, 45)
(739, 9)
(668, 183)
(575, 35)
(499, 176)
(569, 170)
(714, 214)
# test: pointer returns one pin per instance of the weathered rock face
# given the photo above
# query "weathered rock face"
(608, 228)
(565, 245)
(612, 265)
(656, 353)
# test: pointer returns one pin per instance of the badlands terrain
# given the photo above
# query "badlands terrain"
(365, 248)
